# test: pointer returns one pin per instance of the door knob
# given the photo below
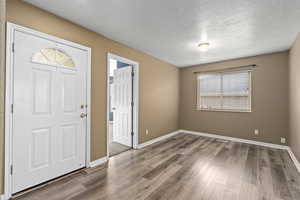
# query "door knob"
(82, 106)
(83, 115)
(114, 108)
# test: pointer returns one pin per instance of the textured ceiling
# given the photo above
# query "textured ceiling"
(171, 29)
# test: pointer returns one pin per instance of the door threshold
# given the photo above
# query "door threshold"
(44, 184)
(119, 153)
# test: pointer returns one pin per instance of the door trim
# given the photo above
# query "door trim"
(135, 66)
(11, 28)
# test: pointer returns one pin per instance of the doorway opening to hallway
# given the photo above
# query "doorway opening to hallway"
(121, 105)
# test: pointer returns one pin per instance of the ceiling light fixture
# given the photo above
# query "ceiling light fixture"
(203, 46)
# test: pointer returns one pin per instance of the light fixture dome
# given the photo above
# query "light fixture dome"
(203, 46)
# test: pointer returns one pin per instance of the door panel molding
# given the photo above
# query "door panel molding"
(11, 29)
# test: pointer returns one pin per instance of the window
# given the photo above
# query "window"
(51, 56)
(226, 91)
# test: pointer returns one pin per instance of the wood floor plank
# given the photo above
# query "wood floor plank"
(191, 167)
(266, 190)
(292, 174)
(185, 167)
(249, 178)
(281, 189)
(157, 170)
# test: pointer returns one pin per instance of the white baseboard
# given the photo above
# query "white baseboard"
(140, 146)
(2, 197)
(294, 159)
(265, 144)
(276, 146)
(98, 162)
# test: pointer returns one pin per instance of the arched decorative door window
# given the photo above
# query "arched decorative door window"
(52, 56)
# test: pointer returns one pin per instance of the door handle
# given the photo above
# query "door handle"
(114, 108)
(83, 115)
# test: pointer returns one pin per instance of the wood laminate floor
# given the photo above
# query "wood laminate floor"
(117, 148)
(183, 167)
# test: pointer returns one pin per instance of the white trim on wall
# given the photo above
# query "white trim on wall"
(88, 109)
(270, 145)
(294, 159)
(99, 161)
(11, 28)
(135, 98)
(8, 116)
(140, 146)
(275, 146)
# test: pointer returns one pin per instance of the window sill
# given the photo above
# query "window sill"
(221, 110)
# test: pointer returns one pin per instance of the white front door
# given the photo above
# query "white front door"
(49, 135)
(121, 104)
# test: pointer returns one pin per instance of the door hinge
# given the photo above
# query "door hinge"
(13, 47)
(11, 169)
(12, 108)
(132, 74)
(132, 104)
(132, 133)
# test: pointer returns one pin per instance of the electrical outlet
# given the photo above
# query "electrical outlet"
(147, 132)
(282, 140)
(256, 132)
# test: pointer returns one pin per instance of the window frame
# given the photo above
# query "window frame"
(51, 63)
(221, 73)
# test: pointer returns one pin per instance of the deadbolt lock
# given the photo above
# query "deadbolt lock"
(82, 106)
(83, 115)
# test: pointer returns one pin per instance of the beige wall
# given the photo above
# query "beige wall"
(2, 66)
(294, 136)
(159, 81)
(270, 101)
(160, 89)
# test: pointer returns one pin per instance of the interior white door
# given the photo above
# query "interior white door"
(121, 103)
(49, 136)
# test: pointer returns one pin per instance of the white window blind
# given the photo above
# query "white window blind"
(227, 91)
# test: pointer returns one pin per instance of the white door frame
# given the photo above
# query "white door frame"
(135, 66)
(11, 28)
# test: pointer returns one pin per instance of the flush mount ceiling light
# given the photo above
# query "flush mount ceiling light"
(203, 46)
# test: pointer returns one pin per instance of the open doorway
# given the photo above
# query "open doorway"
(121, 105)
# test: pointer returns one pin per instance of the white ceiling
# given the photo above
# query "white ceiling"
(171, 29)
